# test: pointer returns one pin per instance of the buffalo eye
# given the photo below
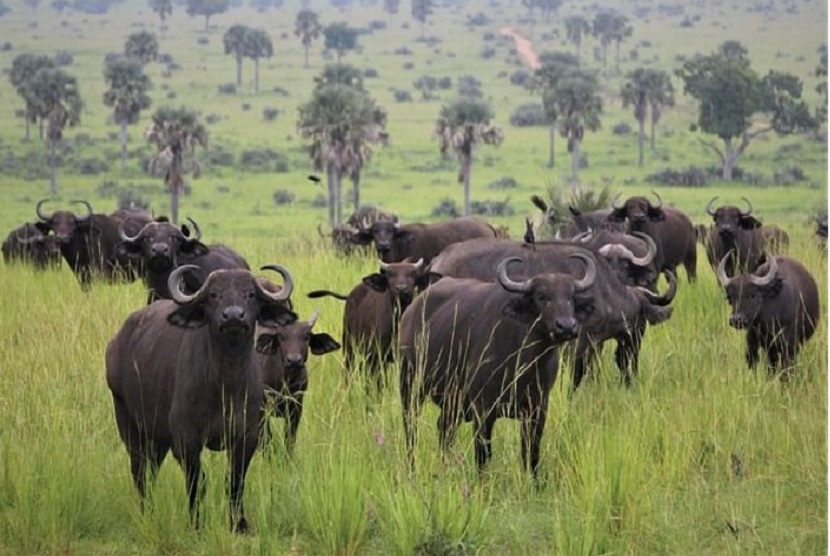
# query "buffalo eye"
(214, 295)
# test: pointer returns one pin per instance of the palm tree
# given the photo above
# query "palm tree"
(127, 95)
(635, 94)
(577, 27)
(660, 95)
(462, 125)
(345, 74)
(234, 41)
(142, 46)
(258, 45)
(603, 29)
(308, 28)
(620, 30)
(55, 95)
(375, 133)
(163, 8)
(579, 106)
(175, 133)
(554, 66)
(24, 67)
(338, 119)
(341, 38)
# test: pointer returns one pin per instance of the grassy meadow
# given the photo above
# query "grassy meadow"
(700, 456)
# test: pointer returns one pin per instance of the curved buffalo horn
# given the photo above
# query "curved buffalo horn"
(313, 318)
(652, 250)
(748, 212)
(709, 208)
(320, 231)
(507, 283)
(196, 229)
(384, 266)
(665, 298)
(590, 272)
(40, 214)
(88, 211)
(122, 232)
(583, 237)
(287, 286)
(659, 200)
(767, 278)
(721, 271)
(175, 291)
(419, 264)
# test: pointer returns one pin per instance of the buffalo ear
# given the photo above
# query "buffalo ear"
(193, 248)
(44, 227)
(267, 344)
(656, 215)
(750, 223)
(617, 215)
(188, 316)
(322, 343)
(362, 237)
(377, 281)
(276, 314)
(520, 308)
(426, 279)
(185, 230)
(574, 211)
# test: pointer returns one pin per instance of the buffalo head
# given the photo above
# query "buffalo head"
(294, 341)
(383, 232)
(63, 223)
(559, 301)
(630, 268)
(747, 293)
(159, 244)
(401, 279)
(729, 219)
(43, 249)
(639, 212)
(230, 303)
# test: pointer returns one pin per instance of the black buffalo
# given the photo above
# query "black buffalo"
(372, 312)
(161, 247)
(776, 240)
(88, 241)
(622, 307)
(670, 229)
(283, 355)
(184, 376)
(579, 221)
(737, 231)
(343, 236)
(395, 242)
(27, 244)
(483, 350)
(777, 305)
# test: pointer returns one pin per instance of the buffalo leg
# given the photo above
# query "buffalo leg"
(533, 427)
(447, 428)
(690, 264)
(241, 452)
(483, 439)
(411, 405)
(293, 414)
(583, 359)
(627, 355)
(189, 457)
(752, 347)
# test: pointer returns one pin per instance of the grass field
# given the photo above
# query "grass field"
(699, 457)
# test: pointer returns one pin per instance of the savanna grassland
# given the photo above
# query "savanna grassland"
(700, 456)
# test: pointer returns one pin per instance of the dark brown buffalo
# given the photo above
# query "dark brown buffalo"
(161, 247)
(373, 309)
(482, 350)
(777, 305)
(821, 227)
(670, 229)
(343, 236)
(184, 376)
(395, 242)
(776, 240)
(622, 307)
(27, 244)
(578, 222)
(283, 356)
(702, 233)
(88, 241)
(734, 230)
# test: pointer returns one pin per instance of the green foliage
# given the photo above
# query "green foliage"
(421, 10)
(341, 38)
(142, 46)
(163, 8)
(206, 8)
(128, 88)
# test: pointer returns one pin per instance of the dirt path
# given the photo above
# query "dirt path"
(523, 47)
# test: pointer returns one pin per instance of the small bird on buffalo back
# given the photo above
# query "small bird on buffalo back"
(530, 236)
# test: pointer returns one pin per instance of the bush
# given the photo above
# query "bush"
(165, 59)
(409, 66)
(503, 183)
(478, 20)
(445, 83)
(377, 25)
(488, 52)
(621, 129)
(283, 197)
(171, 95)
(246, 106)
(270, 114)
(320, 201)
(91, 167)
(690, 177)
(488, 36)
(212, 118)
(469, 86)
(521, 77)
(559, 198)
(446, 208)
(370, 73)
(7, 46)
(265, 160)
(402, 95)
(218, 156)
(203, 41)
(227, 89)
(279, 91)
(530, 114)
(128, 198)
(492, 208)
(64, 58)
(402, 51)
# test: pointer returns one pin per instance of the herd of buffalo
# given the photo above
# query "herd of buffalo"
(476, 321)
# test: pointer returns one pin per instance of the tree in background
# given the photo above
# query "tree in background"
(308, 28)
(341, 38)
(463, 125)
(579, 106)
(163, 8)
(142, 46)
(602, 29)
(577, 27)
(660, 96)
(4, 9)
(55, 95)
(24, 67)
(620, 30)
(421, 10)
(33, 4)
(258, 45)
(737, 106)
(548, 7)
(635, 94)
(391, 6)
(545, 80)
(175, 134)
(821, 88)
(344, 74)
(126, 95)
(234, 42)
(207, 8)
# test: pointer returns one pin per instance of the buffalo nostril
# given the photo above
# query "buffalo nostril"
(565, 325)
(233, 313)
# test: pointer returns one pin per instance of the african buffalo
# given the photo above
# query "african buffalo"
(483, 350)
(395, 242)
(734, 230)
(777, 305)
(161, 247)
(776, 240)
(579, 222)
(27, 244)
(184, 376)
(670, 229)
(821, 227)
(373, 309)
(88, 241)
(282, 353)
(623, 307)
(343, 235)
